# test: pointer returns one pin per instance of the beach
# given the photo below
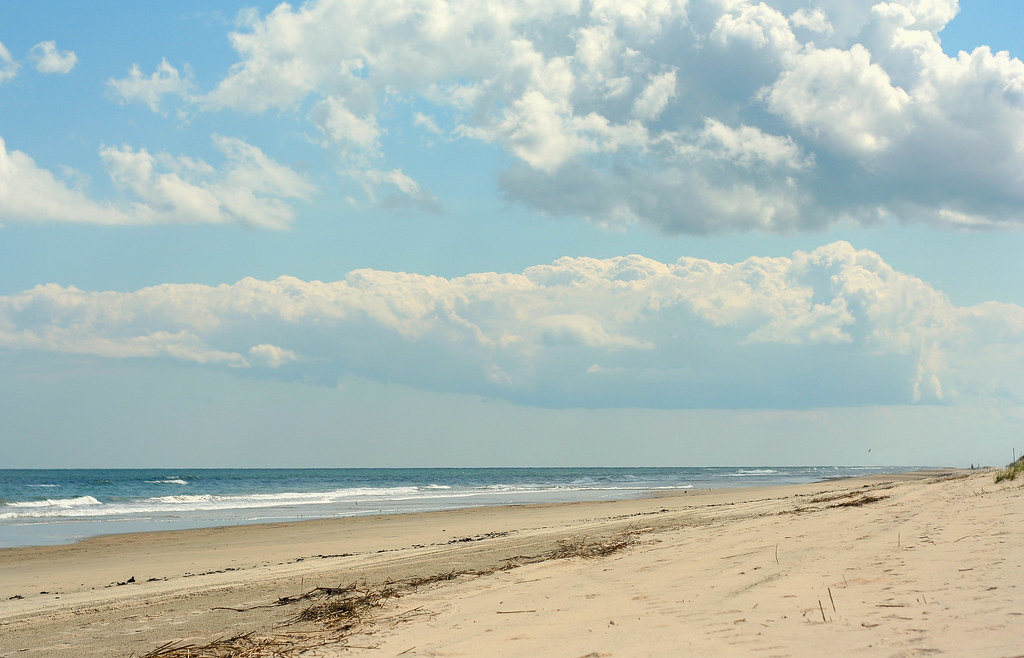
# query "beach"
(910, 564)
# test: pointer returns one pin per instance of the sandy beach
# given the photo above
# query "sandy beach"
(905, 565)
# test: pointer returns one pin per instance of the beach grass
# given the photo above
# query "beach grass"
(1011, 471)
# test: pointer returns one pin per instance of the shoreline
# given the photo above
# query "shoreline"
(70, 530)
(645, 495)
(188, 585)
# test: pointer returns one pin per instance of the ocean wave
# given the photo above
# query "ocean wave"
(204, 500)
(56, 503)
(87, 506)
(185, 500)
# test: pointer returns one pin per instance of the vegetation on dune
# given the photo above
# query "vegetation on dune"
(1012, 471)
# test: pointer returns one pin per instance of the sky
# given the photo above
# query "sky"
(561, 233)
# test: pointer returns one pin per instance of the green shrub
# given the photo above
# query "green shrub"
(1012, 471)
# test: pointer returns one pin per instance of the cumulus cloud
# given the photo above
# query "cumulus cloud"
(700, 116)
(137, 88)
(48, 59)
(811, 19)
(251, 188)
(840, 96)
(835, 326)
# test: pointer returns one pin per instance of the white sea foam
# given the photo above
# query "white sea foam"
(516, 488)
(344, 501)
(168, 481)
(184, 500)
(51, 507)
(87, 506)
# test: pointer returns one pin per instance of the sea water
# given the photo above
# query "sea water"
(40, 507)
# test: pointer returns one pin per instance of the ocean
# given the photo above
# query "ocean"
(39, 507)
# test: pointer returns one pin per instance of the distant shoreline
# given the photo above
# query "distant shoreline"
(51, 506)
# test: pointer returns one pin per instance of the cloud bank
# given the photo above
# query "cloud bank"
(832, 327)
(694, 117)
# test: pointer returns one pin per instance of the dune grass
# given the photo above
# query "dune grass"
(1012, 471)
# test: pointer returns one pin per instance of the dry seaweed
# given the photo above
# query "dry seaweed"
(248, 645)
(333, 611)
(581, 547)
(828, 497)
(343, 608)
(864, 500)
(336, 612)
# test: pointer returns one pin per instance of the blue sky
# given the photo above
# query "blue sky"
(434, 233)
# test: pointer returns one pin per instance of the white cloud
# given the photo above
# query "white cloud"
(250, 189)
(812, 19)
(340, 125)
(48, 59)
(271, 355)
(541, 133)
(395, 190)
(31, 193)
(841, 97)
(864, 113)
(656, 97)
(165, 81)
(8, 67)
(426, 122)
(760, 26)
(832, 327)
(574, 329)
(748, 146)
(931, 15)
